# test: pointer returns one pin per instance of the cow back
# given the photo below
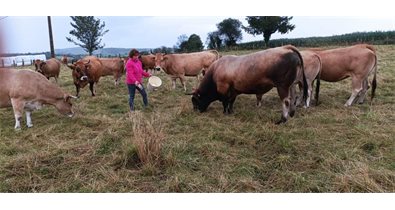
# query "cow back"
(26, 84)
(340, 63)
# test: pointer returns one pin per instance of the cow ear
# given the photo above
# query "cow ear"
(42, 64)
(67, 97)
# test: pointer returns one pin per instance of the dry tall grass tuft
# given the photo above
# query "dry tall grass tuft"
(148, 136)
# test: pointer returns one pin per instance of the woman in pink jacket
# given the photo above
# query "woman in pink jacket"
(134, 76)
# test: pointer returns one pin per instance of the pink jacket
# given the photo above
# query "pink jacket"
(134, 72)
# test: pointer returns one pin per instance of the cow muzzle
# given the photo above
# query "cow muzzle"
(157, 68)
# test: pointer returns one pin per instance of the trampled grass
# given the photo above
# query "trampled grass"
(328, 148)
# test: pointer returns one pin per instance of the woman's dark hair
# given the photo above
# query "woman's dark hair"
(133, 52)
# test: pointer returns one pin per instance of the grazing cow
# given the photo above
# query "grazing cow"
(64, 59)
(357, 62)
(186, 64)
(49, 68)
(256, 73)
(90, 69)
(26, 90)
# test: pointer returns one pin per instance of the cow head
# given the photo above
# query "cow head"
(79, 73)
(200, 102)
(159, 58)
(64, 105)
(39, 65)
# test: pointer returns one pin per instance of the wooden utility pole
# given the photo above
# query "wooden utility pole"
(51, 38)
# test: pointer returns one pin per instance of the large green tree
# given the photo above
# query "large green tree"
(191, 44)
(214, 40)
(230, 31)
(268, 25)
(88, 31)
(195, 44)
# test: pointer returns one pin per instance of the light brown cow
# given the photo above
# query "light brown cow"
(49, 68)
(312, 69)
(26, 90)
(357, 62)
(186, 64)
(148, 62)
(90, 69)
(64, 59)
(255, 73)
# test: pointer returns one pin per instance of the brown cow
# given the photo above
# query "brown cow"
(49, 68)
(148, 61)
(312, 69)
(186, 64)
(255, 73)
(28, 90)
(90, 69)
(64, 59)
(357, 62)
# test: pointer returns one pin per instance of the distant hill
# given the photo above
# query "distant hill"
(104, 52)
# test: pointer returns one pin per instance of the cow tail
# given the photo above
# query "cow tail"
(305, 87)
(374, 82)
(317, 87)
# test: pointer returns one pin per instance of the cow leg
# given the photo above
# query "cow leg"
(183, 82)
(17, 106)
(356, 89)
(259, 100)
(293, 99)
(299, 97)
(173, 80)
(225, 104)
(283, 92)
(91, 87)
(362, 95)
(309, 94)
(29, 119)
(78, 90)
(56, 80)
(230, 105)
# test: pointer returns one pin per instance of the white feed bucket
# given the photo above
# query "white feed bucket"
(153, 83)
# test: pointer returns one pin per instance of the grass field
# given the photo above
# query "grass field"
(168, 147)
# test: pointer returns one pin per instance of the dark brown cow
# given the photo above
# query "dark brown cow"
(26, 90)
(90, 69)
(186, 64)
(49, 68)
(357, 62)
(255, 73)
(312, 69)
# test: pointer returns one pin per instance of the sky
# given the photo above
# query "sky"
(24, 34)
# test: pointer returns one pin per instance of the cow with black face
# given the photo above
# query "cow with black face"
(256, 73)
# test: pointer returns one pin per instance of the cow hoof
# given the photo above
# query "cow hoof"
(283, 120)
(292, 113)
(17, 128)
(29, 126)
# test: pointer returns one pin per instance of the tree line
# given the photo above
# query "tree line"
(88, 31)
